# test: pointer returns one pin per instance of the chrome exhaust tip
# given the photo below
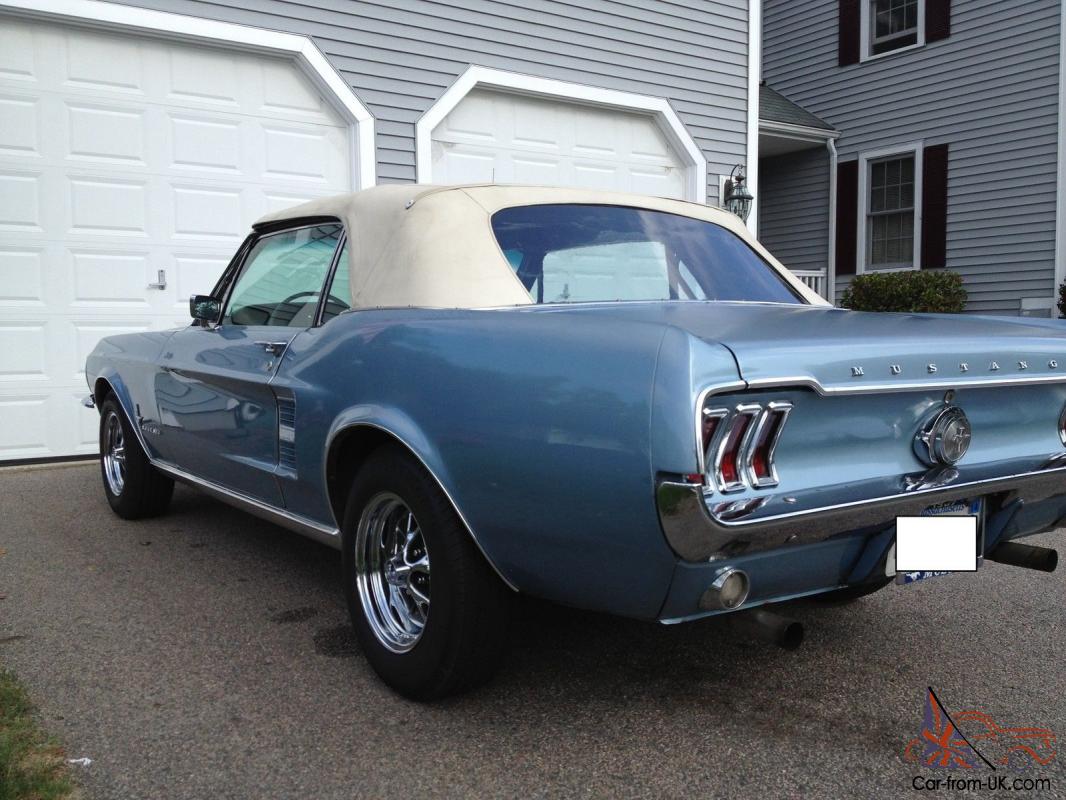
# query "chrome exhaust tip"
(729, 590)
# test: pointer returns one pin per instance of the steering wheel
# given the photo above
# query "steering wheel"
(274, 313)
(292, 297)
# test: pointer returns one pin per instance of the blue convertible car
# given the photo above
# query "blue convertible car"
(615, 402)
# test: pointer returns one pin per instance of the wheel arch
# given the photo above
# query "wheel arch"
(348, 450)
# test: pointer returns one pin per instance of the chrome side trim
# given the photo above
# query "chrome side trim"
(872, 388)
(455, 506)
(286, 519)
(696, 536)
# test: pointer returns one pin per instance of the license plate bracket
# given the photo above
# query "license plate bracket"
(973, 508)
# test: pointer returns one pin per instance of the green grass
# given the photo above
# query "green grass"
(32, 765)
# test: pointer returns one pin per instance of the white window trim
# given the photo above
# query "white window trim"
(862, 249)
(866, 33)
(126, 19)
(484, 78)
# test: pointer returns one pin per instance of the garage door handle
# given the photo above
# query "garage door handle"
(161, 280)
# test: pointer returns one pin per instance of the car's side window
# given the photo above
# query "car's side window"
(282, 277)
(339, 294)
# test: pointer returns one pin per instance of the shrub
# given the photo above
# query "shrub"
(1062, 301)
(926, 291)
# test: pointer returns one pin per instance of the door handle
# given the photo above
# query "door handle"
(161, 280)
(274, 348)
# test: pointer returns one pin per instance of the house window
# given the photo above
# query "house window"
(890, 213)
(894, 24)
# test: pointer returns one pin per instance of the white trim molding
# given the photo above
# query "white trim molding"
(483, 77)
(866, 33)
(862, 246)
(162, 24)
(754, 81)
(801, 133)
(1060, 184)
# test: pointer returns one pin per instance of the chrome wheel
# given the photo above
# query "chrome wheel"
(392, 572)
(114, 454)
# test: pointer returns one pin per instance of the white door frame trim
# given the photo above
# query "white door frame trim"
(127, 19)
(1060, 186)
(476, 76)
(752, 134)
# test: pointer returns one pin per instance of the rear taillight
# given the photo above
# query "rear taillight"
(760, 457)
(738, 444)
(728, 462)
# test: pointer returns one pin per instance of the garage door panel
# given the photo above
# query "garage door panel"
(19, 131)
(24, 426)
(108, 63)
(121, 156)
(205, 143)
(663, 182)
(106, 133)
(198, 76)
(590, 175)
(21, 276)
(207, 212)
(305, 153)
(541, 171)
(20, 200)
(195, 274)
(108, 278)
(17, 51)
(24, 345)
(108, 206)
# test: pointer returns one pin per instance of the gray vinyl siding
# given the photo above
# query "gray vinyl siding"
(400, 55)
(794, 224)
(990, 91)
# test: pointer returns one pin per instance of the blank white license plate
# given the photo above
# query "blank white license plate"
(943, 540)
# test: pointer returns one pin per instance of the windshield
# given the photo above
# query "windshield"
(588, 253)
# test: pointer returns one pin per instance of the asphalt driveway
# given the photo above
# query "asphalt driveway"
(206, 654)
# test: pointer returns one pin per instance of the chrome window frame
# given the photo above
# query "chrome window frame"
(250, 243)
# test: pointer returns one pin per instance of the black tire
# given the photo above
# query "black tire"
(463, 638)
(142, 491)
(852, 594)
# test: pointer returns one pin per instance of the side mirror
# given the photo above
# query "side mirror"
(205, 308)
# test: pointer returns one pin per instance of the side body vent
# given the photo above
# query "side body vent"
(287, 432)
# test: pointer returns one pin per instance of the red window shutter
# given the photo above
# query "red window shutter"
(937, 20)
(934, 206)
(847, 216)
(848, 35)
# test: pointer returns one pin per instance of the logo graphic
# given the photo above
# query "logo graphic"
(943, 744)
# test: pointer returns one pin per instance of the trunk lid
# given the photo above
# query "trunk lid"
(838, 349)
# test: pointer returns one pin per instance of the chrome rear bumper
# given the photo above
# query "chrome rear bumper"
(696, 534)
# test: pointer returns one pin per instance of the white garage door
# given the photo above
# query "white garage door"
(501, 137)
(121, 158)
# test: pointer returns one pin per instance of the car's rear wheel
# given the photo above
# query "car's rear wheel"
(428, 610)
(134, 488)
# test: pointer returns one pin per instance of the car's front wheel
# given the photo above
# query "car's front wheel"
(134, 488)
(428, 610)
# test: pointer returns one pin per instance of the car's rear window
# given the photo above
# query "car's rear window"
(589, 253)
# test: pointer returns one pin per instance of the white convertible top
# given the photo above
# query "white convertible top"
(433, 246)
